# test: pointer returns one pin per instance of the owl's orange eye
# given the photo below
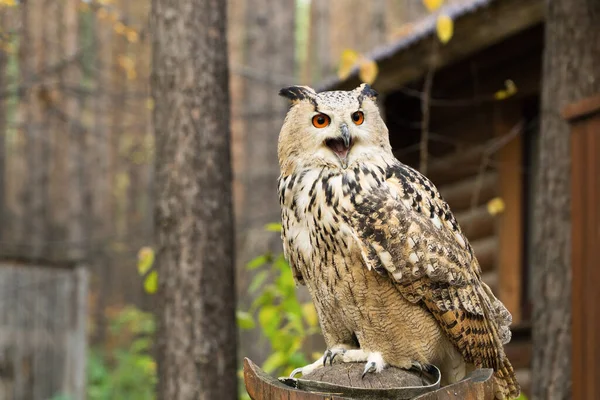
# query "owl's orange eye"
(358, 117)
(321, 120)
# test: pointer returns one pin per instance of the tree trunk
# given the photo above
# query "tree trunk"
(194, 223)
(35, 193)
(3, 117)
(571, 60)
(78, 244)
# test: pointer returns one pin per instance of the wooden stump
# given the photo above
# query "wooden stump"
(343, 382)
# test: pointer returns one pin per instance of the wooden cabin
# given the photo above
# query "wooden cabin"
(482, 116)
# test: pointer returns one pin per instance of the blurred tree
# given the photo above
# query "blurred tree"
(3, 63)
(32, 62)
(570, 73)
(194, 222)
(71, 77)
(269, 55)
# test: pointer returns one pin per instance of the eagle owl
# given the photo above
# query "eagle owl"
(393, 279)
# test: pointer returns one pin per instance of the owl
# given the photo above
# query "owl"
(392, 277)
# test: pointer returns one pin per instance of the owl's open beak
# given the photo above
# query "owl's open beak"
(341, 146)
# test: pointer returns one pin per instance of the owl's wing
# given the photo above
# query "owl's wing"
(407, 232)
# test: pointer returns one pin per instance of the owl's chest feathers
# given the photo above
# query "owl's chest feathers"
(317, 206)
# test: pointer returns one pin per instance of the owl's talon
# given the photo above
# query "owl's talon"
(330, 355)
(417, 366)
(295, 372)
(326, 357)
(375, 363)
(369, 367)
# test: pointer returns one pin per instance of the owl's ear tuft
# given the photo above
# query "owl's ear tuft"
(298, 93)
(366, 91)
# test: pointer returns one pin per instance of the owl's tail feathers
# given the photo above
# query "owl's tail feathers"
(505, 382)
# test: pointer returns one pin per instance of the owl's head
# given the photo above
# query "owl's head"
(334, 129)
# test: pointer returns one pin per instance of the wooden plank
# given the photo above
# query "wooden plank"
(491, 279)
(456, 166)
(78, 343)
(510, 169)
(476, 223)
(43, 329)
(486, 251)
(460, 195)
(584, 117)
(584, 108)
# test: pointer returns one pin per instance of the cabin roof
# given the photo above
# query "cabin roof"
(500, 17)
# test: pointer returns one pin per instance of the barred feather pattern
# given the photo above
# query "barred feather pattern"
(403, 231)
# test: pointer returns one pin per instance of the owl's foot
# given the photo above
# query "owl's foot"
(339, 353)
(330, 354)
(420, 367)
(375, 364)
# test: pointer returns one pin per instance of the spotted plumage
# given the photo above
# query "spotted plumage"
(393, 278)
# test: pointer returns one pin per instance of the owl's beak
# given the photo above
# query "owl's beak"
(341, 145)
(345, 135)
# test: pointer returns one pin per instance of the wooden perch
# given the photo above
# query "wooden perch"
(343, 382)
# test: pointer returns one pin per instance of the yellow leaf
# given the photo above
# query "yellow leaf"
(113, 16)
(510, 88)
(496, 206)
(126, 62)
(347, 62)
(119, 28)
(433, 5)
(102, 13)
(131, 74)
(145, 259)
(445, 28)
(310, 314)
(274, 361)
(121, 181)
(150, 103)
(273, 227)
(132, 36)
(368, 71)
(151, 283)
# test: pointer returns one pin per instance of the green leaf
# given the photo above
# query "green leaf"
(269, 319)
(265, 298)
(140, 345)
(281, 264)
(274, 361)
(257, 281)
(245, 320)
(273, 227)
(286, 284)
(151, 283)
(259, 261)
(298, 360)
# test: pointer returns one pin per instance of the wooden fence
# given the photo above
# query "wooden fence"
(42, 332)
